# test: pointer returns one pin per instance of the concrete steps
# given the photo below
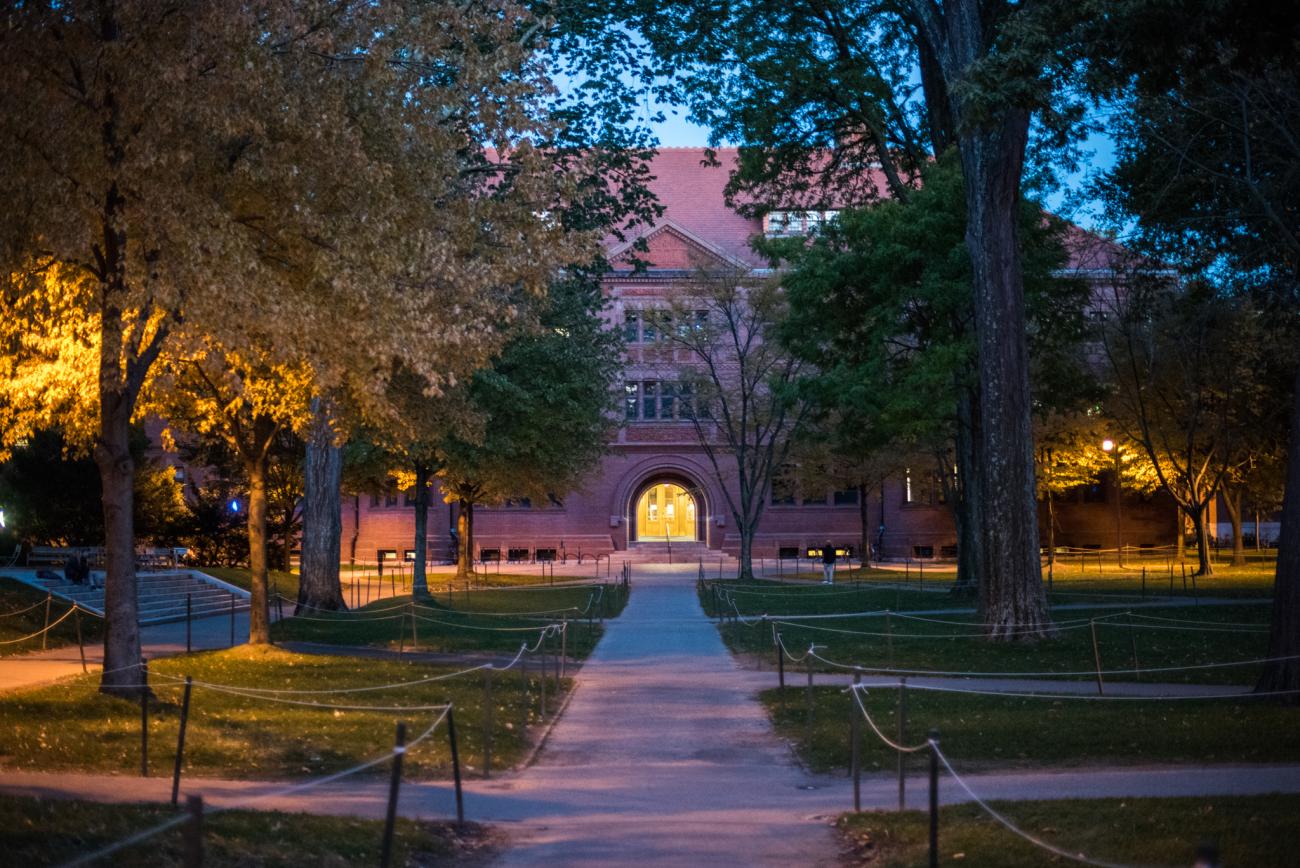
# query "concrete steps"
(658, 552)
(162, 596)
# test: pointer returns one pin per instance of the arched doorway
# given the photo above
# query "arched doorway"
(667, 511)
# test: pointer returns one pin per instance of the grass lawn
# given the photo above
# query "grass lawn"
(284, 582)
(465, 625)
(953, 642)
(15, 597)
(1073, 579)
(998, 732)
(51, 831)
(1250, 830)
(70, 725)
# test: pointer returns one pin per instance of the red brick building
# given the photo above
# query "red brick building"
(656, 484)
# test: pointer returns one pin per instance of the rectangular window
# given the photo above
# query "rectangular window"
(631, 399)
(408, 498)
(845, 497)
(667, 401)
(390, 499)
(783, 489)
(650, 400)
(907, 487)
(701, 320)
(649, 327)
(632, 326)
(685, 402)
(814, 499)
(374, 501)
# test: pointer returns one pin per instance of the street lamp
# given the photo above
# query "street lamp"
(1110, 447)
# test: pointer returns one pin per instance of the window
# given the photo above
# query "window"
(814, 499)
(908, 494)
(667, 399)
(783, 488)
(685, 403)
(632, 326)
(374, 501)
(777, 223)
(390, 499)
(845, 497)
(649, 334)
(408, 497)
(649, 400)
(631, 399)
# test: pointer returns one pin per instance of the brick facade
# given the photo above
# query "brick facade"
(601, 516)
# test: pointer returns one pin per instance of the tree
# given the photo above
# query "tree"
(296, 172)
(1206, 167)
(737, 385)
(322, 521)
(50, 494)
(884, 313)
(1181, 362)
(544, 408)
(819, 91)
(249, 404)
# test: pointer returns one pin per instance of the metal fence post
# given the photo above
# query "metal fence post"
(855, 737)
(394, 784)
(192, 832)
(180, 739)
(189, 623)
(780, 662)
(487, 721)
(81, 645)
(232, 618)
(934, 798)
(1096, 656)
(144, 718)
(902, 734)
(455, 766)
(45, 633)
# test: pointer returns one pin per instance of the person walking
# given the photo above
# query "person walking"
(828, 563)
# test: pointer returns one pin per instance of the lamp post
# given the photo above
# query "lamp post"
(1110, 447)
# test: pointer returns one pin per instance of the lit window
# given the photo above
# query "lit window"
(907, 486)
(631, 399)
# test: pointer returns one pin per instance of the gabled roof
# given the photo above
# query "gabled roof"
(671, 246)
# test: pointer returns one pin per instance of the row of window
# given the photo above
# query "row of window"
(654, 326)
(784, 496)
(658, 399)
(776, 223)
(389, 501)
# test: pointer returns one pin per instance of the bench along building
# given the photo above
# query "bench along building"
(655, 488)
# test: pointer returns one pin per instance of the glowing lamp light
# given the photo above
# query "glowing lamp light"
(1107, 445)
(2, 520)
(234, 506)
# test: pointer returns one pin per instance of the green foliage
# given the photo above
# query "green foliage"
(51, 494)
(545, 404)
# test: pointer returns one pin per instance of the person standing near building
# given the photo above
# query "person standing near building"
(828, 563)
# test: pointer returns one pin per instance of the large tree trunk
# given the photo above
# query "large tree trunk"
(1012, 600)
(1204, 567)
(322, 519)
(259, 613)
(745, 571)
(419, 573)
(464, 546)
(121, 609)
(1232, 503)
(1284, 632)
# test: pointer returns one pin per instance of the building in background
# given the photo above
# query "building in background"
(655, 488)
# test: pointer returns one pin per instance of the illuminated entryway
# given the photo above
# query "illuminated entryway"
(666, 512)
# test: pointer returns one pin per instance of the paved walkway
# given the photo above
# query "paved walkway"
(662, 757)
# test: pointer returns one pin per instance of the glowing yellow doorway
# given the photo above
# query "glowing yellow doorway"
(666, 511)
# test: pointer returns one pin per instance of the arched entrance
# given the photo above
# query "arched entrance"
(666, 511)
